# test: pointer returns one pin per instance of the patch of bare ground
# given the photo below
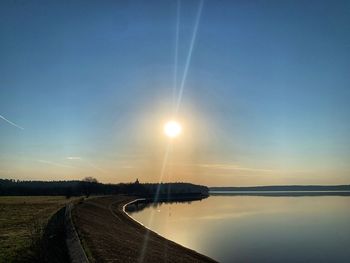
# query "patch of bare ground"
(109, 235)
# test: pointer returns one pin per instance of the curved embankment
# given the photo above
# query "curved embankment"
(109, 235)
(75, 250)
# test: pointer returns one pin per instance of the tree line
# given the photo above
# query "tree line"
(90, 186)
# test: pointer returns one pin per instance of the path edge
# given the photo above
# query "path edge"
(75, 249)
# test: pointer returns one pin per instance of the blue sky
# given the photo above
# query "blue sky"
(265, 101)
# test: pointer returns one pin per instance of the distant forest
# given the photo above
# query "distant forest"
(285, 188)
(90, 186)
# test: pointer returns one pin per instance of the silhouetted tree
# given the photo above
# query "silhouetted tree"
(90, 179)
(89, 185)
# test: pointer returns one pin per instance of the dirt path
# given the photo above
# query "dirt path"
(109, 235)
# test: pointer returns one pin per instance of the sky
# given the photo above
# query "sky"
(261, 89)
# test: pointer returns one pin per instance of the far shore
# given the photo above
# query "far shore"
(280, 193)
(285, 188)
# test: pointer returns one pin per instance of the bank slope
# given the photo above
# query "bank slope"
(109, 235)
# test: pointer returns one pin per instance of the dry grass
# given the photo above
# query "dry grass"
(22, 219)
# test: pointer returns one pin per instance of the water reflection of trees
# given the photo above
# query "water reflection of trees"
(143, 204)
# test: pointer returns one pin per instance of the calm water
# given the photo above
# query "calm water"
(257, 228)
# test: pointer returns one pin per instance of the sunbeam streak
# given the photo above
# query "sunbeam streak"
(189, 56)
(178, 102)
(176, 53)
(155, 200)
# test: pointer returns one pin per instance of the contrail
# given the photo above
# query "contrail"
(189, 55)
(10, 122)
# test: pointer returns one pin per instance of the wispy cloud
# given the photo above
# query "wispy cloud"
(55, 164)
(235, 167)
(73, 158)
(92, 165)
(12, 123)
(232, 167)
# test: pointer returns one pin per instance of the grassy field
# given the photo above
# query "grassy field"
(21, 220)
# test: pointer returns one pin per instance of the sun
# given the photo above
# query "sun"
(172, 129)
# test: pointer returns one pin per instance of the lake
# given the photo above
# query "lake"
(243, 228)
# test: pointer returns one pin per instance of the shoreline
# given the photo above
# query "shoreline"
(151, 230)
(109, 232)
(131, 202)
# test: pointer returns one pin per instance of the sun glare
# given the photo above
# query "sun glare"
(172, 129)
